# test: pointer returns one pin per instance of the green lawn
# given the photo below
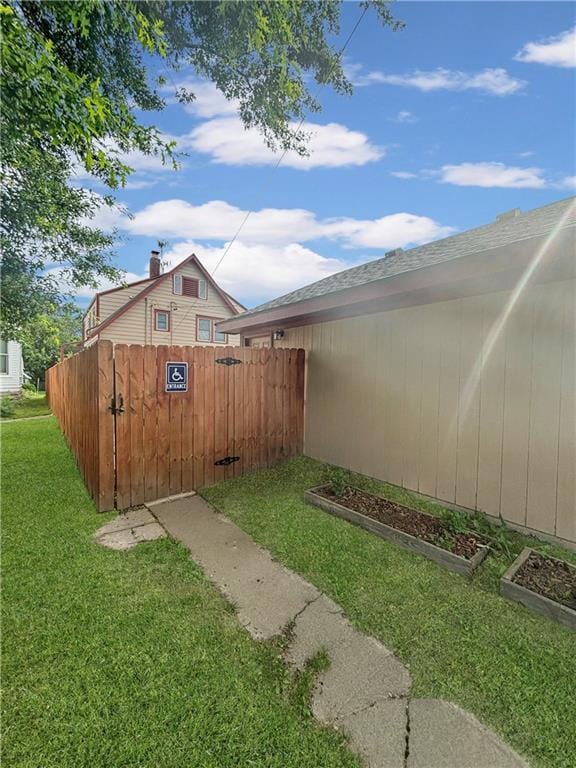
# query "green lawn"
(462, 641)
(30, 404)
(120, 659)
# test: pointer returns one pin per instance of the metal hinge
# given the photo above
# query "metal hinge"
(226, 460)
(117, 408)
(228, 361)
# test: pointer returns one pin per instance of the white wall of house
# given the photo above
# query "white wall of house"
(437, 399)
(11, 367)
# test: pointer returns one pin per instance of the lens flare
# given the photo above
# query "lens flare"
(473, 380)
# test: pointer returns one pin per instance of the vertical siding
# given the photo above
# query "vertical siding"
(471, 401)
(566, 490)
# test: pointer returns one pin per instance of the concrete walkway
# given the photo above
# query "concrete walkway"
(366, 690)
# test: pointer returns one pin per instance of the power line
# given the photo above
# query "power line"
(283, 155)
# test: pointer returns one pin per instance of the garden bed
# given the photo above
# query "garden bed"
(430, 536)
(542, 584)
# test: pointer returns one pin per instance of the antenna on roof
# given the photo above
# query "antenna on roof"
(162, 244)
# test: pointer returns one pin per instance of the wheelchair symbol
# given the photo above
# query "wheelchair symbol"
(176, 377)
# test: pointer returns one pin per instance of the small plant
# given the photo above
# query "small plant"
(456, 521)
(7, 407)
(28, 386)
(338, 479)
(498, 535)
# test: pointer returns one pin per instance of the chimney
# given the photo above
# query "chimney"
(155, 264)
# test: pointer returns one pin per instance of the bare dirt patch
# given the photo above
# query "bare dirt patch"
(548, 577)
(426, 527)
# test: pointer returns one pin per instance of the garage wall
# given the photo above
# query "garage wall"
(434, 399)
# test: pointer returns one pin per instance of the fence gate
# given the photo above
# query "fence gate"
(231, 410)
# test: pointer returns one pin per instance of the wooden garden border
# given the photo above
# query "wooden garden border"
(441, 556)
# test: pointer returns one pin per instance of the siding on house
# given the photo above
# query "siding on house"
(11, 382)
(435, 399)
(136, 325)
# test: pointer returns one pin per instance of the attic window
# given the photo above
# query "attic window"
(190, 287)
(195, 288)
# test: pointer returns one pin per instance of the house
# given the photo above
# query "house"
(11, 368)
(448, 368)
(181, 306)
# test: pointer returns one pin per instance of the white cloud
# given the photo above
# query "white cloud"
(106, 217)
(405, 117)
(85, 292)
(558, 51)
(495, 81)
(394, 231)
(142, 183)
(227, 141)
(275, 227)
(209, 101)
(568, 182)
(255, 272)
(218, 220)
(404, 174)
(492, 175)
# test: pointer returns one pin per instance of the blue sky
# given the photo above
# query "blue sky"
(466, 113)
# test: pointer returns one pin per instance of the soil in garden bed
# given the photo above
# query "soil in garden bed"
(550, 578)
(418, 524)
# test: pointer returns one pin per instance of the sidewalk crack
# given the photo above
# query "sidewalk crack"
(407, 749)
(308, 604)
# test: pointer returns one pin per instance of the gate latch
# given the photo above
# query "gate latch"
(228, 361)
(117, 408)
(226, 461)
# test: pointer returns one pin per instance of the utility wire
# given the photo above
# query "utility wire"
(283, 155)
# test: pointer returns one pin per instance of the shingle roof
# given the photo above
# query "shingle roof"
(508, 228)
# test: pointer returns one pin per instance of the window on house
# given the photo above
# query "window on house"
(177, 284)
(204, 329)
(219, 336)
(161, 320)
(202, 289)
(3, 357)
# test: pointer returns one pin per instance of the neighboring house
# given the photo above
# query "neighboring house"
(448, 368)
(11, 367)
(181, 306)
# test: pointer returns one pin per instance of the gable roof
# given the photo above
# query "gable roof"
(155, 281)
(508, 228)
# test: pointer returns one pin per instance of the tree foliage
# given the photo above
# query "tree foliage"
(42, 340)
(78, 75)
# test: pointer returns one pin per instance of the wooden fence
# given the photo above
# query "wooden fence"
(79, 391)
(243, 410)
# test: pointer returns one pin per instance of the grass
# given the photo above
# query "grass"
(129, 659)
(463, 642)
(30, 404)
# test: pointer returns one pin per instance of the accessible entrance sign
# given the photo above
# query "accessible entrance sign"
(176, 377)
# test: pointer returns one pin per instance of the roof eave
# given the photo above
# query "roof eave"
(512, 258)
